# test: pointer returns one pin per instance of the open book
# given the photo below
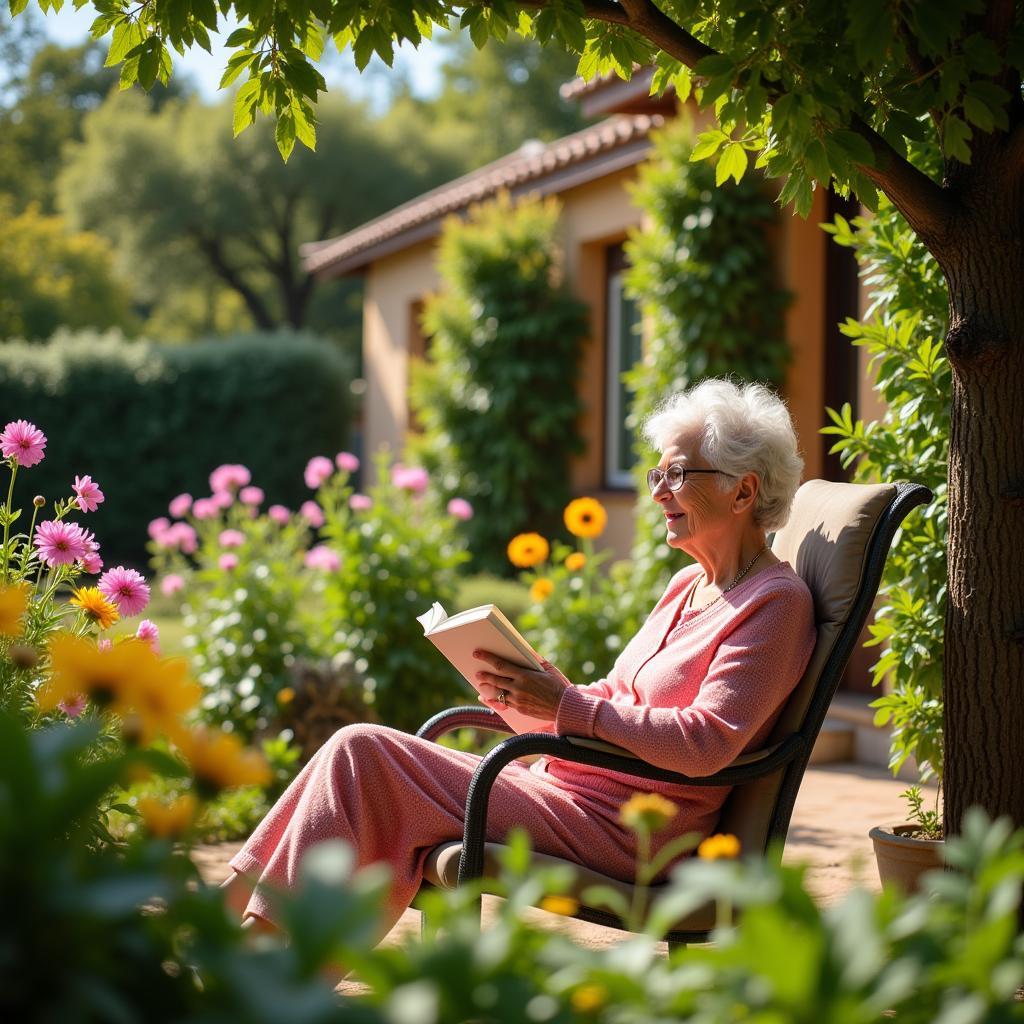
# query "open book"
(484, 628)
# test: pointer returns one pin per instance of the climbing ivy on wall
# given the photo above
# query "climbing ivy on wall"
(703, 272)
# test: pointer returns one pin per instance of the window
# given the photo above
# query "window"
(623, 347)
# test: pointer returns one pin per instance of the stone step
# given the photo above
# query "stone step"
(835, 743)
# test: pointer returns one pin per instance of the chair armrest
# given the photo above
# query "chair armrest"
(583, 750)
(462, 718)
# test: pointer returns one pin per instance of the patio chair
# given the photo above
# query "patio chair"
(837, 538)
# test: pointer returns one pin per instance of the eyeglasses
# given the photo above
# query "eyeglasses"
(674, 477)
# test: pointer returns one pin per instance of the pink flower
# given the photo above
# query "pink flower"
(322, 557)
(360, 502)
(205, 508)
(149, 632)
(88, 493)
(157, 527)
(104, 643)
(231, 539)
(318, 469)
(251, 495)
(91, 561)
(181, 536)
(229, 477)
(126, 588)
(222, 499)
(279, 514)
(460, 509)
(171, 584)
(228, 562)
(410, 478)
(22, 441)
(180, 506)
(346, 462)
(60, 543)
(73, 706)
(312, 513)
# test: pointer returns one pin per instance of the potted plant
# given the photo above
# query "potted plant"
(905, 852)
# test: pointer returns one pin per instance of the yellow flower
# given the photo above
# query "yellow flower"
(541, 590)
(13, 604)
(168, 821)
(110, 678)
(719, 847)
(526, 550)
(285, 695)
(588, 998)
(96, 606)
(219, 761)
(163, 696)
(576, 561)
(564, 905)
(647, 811)
(585, 517)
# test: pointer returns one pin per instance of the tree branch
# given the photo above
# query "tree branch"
(212, 249)
(650, 22)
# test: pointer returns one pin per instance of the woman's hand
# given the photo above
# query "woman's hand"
(532, 693)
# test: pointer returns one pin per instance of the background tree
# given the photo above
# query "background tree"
(49, 92)
(184, 204)
(50, 277)
(492, 100)
(823, 92)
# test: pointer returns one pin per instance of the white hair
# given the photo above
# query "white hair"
(740, 429)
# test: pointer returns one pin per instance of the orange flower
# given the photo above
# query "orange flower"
(110, 678)
(219, 761)
(576, 561)
(585, 517)
(526, 550)
(541, 590)
(13, 605)
(589, 998)
(719, 847)
(95, 606)
(564, 905)
(285, 695)
(168, 821)
(647, 811)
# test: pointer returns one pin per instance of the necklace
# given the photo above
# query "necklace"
(739, 576)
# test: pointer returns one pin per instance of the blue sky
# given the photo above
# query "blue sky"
(69, 27)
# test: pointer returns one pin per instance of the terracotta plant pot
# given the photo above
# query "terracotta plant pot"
(901, 858)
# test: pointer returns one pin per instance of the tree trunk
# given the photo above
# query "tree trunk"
(984, 641)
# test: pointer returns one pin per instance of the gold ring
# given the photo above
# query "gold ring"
(503, 698)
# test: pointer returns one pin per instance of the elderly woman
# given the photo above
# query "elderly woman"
(702, 681)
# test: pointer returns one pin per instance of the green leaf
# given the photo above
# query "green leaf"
(149, 64)
(732, 163)
(284, 135)
(17, 6)
(245, 105)
(127, 36)
(955, 136)
(708, 143)
(240, 37)
(129, 73)
(236, 64)
(855, 146)
(362, 49)
(977, 113)
(816, 161)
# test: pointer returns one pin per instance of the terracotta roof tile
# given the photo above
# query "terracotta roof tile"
(531, 163)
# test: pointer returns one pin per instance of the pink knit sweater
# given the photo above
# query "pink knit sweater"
(694, 688)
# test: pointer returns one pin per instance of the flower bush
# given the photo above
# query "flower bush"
(40, 568)
(240, 580)
(571, 618)
(398, 549)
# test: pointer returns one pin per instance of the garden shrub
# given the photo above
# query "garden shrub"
(397, 550)
(904, 339)
(570, 620)
(703, 271)
(147, 420)
(497, 396)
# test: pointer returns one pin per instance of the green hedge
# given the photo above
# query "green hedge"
(149, 421)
